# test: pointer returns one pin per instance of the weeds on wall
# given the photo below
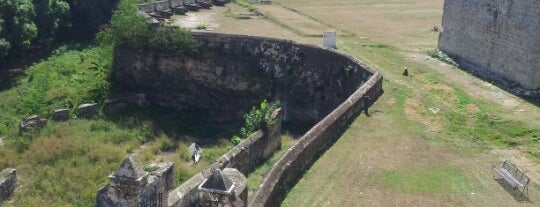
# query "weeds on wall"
(258, 118)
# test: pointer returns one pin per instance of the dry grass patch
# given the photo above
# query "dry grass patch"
(415, 110)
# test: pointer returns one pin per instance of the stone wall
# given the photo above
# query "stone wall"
(495, 39)
(245, 157)
(292, 165)
(131, 186)
(232, 73)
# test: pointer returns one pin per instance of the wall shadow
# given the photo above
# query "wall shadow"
(515, 193)
(190, 126)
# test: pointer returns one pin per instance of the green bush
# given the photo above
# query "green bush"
(166, 145)
(174, 39)
(258, 118)
(128, 29)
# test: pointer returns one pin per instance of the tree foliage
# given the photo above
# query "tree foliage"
(17, 27)
(23, 22)
(87, 16)
(51, 15)
(258, 118)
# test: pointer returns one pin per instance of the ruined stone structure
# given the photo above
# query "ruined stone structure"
(230, 74)
(495, 39)
(8, 182)
(133, 187)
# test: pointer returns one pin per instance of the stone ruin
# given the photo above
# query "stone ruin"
(130, 186)
(224, 188)
(497, 40)
(8, 182)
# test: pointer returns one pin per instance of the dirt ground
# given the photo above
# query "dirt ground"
(349, 174)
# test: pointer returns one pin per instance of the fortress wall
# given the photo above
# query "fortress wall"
(232, 73)
(292, 165)
(496, 39)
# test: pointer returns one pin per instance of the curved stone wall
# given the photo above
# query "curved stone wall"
(232, 73)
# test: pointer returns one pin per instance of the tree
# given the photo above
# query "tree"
(88, 15)
(51, 15)
(17, 28)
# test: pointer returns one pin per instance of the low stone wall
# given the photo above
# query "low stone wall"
(305, 151)
(245, 157)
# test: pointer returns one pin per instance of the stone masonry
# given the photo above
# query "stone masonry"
(495, 39)
(133, 187)
(8, 181)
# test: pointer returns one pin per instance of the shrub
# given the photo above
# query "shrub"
(258, 118)
(166, 145)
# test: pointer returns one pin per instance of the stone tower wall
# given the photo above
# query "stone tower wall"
(496, 39)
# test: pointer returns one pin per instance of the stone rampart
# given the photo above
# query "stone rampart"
(495, 39)
(304, 152)
(232, 73)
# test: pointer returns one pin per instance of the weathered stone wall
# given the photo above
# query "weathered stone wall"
(232, 73)
(305, 151)
(496, 39)
(245, 157)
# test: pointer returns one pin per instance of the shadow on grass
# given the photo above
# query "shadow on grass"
(191, 126)
(16, 64)
(515, 193)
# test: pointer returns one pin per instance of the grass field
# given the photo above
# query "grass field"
(433, 135)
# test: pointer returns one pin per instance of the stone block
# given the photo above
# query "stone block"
(329, 39)
(32, 123)
(87, 110)
(8, 182)
(60, 115)
(113, 106)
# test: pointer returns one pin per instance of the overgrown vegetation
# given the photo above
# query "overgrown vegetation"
(65, 163)
(128, 29)
(258, 118)
(26, 22)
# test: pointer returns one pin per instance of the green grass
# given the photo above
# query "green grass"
(255, 178)
(462, 131)
(66, 163)
(429, 179)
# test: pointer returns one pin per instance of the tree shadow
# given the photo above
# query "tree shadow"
(515, 193)
(15, 65)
